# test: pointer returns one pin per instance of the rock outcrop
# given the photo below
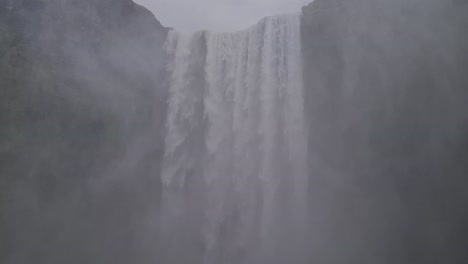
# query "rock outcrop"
(82, 117)
(386, 97)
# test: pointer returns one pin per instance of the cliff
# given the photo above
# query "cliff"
(386, 98)
(82, 110)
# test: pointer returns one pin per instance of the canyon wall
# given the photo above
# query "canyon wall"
(82, 116)
(386, 103)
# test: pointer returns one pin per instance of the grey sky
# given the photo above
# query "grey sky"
(218, 15)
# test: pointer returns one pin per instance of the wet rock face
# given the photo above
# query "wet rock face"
(388, 126)
(82, 114)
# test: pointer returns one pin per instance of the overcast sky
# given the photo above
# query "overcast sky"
(218, 15)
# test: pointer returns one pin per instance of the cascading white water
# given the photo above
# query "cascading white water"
(235, 166)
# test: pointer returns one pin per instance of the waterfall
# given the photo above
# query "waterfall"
(235, 165)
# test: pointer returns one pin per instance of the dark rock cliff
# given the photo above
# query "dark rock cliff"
(82, 112)
(386, 89)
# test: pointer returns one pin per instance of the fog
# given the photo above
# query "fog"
(333, 135)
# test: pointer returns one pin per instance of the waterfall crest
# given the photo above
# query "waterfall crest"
(235, 164)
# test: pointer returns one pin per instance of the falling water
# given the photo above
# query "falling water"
(235, 166)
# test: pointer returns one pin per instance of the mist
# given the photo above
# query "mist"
(334, 134)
